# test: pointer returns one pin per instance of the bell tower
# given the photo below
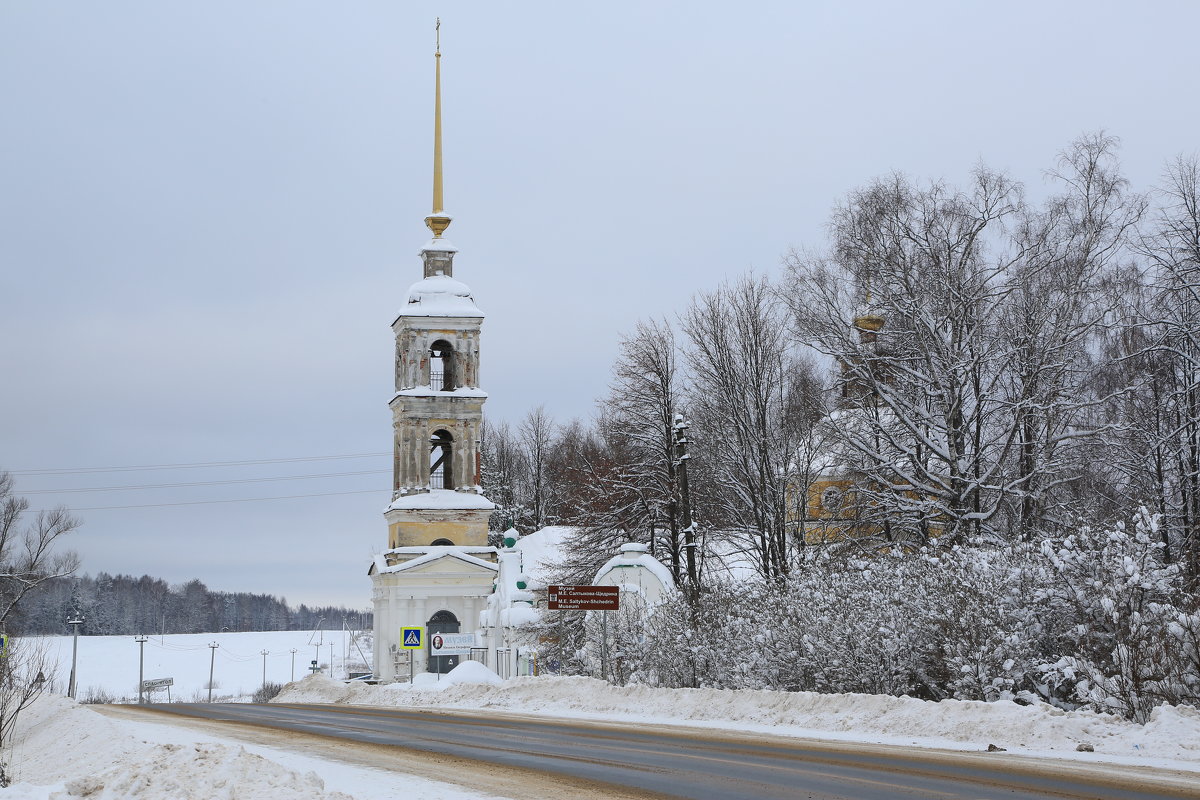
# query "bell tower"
(437, 411)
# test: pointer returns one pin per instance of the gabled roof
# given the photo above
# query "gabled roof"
(379, 563)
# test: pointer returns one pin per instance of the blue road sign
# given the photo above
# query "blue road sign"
(3, 645)
(412, 638)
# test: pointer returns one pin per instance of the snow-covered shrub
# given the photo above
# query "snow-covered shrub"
(1095, 618)
(1134, 640)
(986, 633)
(688, 643)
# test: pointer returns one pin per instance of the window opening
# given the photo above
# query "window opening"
(441, 459)
(441, 366)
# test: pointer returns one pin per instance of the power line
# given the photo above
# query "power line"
(204, 483)
(242, 500)
(193, 465)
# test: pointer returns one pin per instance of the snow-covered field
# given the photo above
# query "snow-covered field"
(109, 664)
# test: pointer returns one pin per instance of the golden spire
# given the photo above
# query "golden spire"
(437, 221)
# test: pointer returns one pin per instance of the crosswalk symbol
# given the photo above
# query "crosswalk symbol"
(3, 645)
(412, 638)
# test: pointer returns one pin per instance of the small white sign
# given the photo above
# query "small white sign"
(451, 644)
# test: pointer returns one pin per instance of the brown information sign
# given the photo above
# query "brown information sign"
(584, 598)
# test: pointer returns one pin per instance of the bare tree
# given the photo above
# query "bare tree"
(748, 402)
(28, 558)
(28, 553)
(925, 418)
(536, 434)
(638, 420)
(1172, 246)
(1057, 312)
(505, 474)
(965, 323)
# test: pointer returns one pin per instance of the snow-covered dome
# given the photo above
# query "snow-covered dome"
(440, 296)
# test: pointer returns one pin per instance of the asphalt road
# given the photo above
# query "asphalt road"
(698, 765)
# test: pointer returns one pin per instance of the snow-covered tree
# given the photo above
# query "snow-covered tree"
(752, 402)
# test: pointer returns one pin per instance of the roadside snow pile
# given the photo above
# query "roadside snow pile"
(64, 750)
(214, 771)
(1172, 733)
(470, 673)
(320, 689)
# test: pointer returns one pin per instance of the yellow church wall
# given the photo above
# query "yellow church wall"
(466, 531)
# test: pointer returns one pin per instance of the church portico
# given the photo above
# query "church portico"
(414, 585)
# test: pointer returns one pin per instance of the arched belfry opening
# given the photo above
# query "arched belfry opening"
(442, 366)
(441, 460)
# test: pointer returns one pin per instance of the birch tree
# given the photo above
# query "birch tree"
(925, 419)
(1172, 246)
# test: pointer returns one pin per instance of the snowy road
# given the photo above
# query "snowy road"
(642, 760)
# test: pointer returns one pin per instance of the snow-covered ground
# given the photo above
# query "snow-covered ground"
(65, 750)
(109, 664)
(110, 755)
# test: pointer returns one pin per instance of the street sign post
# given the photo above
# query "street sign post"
(153, 684)
(584, 598)
(412, 639)
(451, 644)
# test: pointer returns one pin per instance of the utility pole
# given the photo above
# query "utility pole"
(685, 503)
(212, 660)
(141, 640)
(265, 653)
(331, 659)
(74, 622)
(293, 665)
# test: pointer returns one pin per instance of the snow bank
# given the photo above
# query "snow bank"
(63, 750)
(1171, 735)
(213, 771)
(320, 689)
(470, 672)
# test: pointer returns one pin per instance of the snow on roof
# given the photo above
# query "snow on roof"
(441, 499)
(425, 391)
(433, 554)
(439, 246)
(540, 549)
(517, 615)
(633, 558)
(440, 296)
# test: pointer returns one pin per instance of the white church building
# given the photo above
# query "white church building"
(438, 572)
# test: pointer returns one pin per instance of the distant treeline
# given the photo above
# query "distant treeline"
(123, 604)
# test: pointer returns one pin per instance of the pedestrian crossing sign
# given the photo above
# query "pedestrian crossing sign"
(3, 645)
(412, 638)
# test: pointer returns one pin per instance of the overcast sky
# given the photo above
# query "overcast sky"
(210, 213)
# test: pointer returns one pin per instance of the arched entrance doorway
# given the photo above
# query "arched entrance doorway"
(441, 622)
